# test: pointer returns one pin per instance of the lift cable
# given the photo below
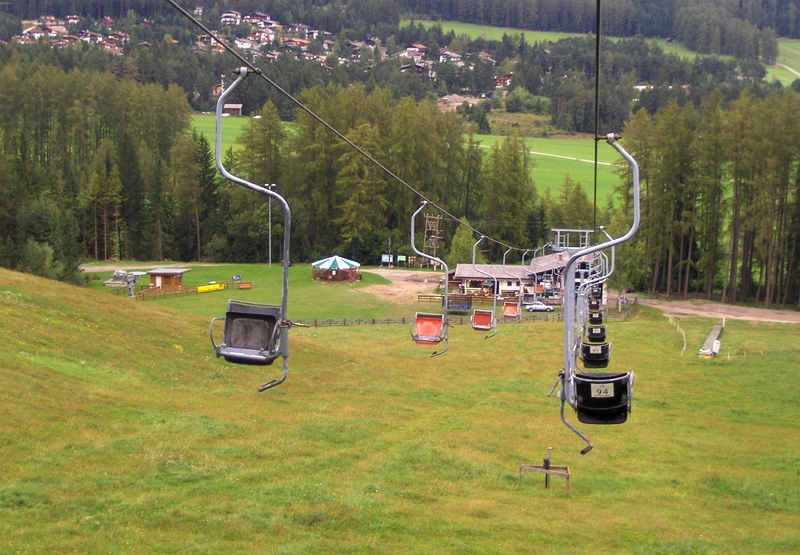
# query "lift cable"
(597, 137)
(253, 69)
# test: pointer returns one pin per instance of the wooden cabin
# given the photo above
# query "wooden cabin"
(167, 279)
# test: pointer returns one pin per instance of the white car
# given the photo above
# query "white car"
(538, 306)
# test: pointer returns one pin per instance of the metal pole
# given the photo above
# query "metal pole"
(270, 225)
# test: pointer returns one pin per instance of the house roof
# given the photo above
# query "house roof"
(466, 271)
(168, 271)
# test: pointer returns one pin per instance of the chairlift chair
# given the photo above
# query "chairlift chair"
(431, 329)
(596, 334)
(511, 310)
(603, 398)
(255, 334)
(484, 320)
(594, 304)
(595, 318)
(428, 329)
(595, 355)
(251, 335)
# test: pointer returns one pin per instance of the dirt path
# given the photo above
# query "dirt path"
(707, 309)
(405, 286)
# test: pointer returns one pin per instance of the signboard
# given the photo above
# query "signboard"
(387, 259)
(213, 287)
(237, 278)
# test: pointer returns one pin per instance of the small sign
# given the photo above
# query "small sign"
(600, 390)
(237, 278)
(387, 258)
(401, 258)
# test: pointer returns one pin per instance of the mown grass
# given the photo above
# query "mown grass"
(122, 433)
(231, 129)
(573, 156)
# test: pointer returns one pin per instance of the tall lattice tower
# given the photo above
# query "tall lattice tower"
(433, 234)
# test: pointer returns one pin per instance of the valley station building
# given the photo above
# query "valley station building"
(541, 276)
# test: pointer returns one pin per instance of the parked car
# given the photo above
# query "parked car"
(538, 306)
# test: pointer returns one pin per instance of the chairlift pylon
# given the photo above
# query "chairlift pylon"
(430, 329)
(255, 334)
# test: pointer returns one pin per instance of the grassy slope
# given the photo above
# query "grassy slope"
(122, 433)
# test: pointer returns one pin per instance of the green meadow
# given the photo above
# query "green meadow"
(789, 50)
(553, 158)
(121, 432)
(231, 129)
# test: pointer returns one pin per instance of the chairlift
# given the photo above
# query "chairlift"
(484, 320)
(595, 355)
(596, 334)
(254, 334)
(430, 329)
(513, 310)
(598, 398)
(603, 398)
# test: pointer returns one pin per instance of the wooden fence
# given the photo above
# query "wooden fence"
(150, 294)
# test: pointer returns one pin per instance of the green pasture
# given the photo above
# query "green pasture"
(549, 171)
(554, 158)
(121, 432)
(475, 31)
(309, 299)
(231, 129)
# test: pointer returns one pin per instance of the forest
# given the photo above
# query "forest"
(98, 159)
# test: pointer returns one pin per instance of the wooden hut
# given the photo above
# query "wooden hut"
(167, 279)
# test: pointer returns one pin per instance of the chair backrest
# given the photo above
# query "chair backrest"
(428, 328)
(603, 398)
(251, 326)
(482, 320)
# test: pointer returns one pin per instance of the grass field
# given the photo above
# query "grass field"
(122, 433)
(231, 129)
(549, 171)
(789, 50)
(554, 158)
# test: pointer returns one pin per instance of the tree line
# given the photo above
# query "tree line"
(721, 200)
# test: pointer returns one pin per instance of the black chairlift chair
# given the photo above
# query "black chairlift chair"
(594, 303)
(595, 355)
(255, 334)
(596, 291)
(603, 398)
(595, 318)
(431, 329)
(252, 333)
(596, 334)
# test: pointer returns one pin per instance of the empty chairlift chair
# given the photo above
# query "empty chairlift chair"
(511, 310)
(484, 320)
(251, 335)
(255, 334)
(603, 398)
(595, 355)
(430, 329)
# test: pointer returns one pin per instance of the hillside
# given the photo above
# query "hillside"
(122, 433)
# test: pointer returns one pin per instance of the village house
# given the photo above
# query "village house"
(230, 18)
